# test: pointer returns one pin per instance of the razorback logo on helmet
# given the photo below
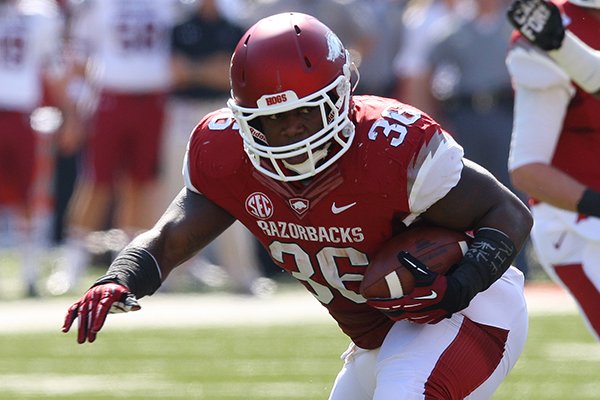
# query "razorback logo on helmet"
(335, 46)
(259, 205)
(271, 100)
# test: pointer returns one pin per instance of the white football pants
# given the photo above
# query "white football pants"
(568, 248)
(466, 356)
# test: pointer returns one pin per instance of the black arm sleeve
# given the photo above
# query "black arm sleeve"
(136, 269)
(488, 257)
(589, 204)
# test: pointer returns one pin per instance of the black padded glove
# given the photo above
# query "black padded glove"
(539, 21)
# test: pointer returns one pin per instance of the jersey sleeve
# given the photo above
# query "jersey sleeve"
(186, 172)
(542, 94)
(423, 160)
(214, 152)
(434, 170)
(531, 68)
(193, 161)
(538, 121)
(193, 164)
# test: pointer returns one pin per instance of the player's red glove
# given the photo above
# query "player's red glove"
(539, 21)
(434, 297)
(95, 305)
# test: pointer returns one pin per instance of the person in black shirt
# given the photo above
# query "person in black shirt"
(201, 52)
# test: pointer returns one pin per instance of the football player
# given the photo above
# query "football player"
(556, 139)
(30, 73)
(323, 179)
(129, 72)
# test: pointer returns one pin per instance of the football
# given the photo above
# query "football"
(438, 248)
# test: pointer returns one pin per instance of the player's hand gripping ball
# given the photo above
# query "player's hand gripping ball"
(406, 280)
(438, 248)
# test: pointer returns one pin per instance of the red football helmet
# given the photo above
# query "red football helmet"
(284, 62)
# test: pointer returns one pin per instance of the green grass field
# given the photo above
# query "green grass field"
(561, 361)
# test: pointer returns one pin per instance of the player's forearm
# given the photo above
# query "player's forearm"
(146, 262)
(549, 185)
(189, 224)
(505, 212)
(168, 244)
(511, 217)
(580, 62)
(479, 201)
(136, 269)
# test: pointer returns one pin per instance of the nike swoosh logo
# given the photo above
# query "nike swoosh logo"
(337, 210)
(430, 296)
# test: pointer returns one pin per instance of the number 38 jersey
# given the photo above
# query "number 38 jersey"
(325, 231)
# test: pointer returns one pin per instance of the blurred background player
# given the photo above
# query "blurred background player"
(424, 22)
(556, 140)
(201, 47)
(383, 38)
(470, 85)
(127, 68)
(30, 44)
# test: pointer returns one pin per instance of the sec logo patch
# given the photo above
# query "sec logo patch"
(259, 205)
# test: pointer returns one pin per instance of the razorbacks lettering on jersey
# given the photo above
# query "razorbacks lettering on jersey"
(133, 52)
(324, 231)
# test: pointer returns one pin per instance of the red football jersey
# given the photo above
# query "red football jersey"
(325, 231)
(579, 143)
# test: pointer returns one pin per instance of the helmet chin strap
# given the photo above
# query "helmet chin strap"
(307, 166)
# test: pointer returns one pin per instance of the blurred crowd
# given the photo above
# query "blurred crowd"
(98, 98)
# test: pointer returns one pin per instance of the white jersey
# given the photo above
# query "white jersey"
(30, 41)
(127, 43)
